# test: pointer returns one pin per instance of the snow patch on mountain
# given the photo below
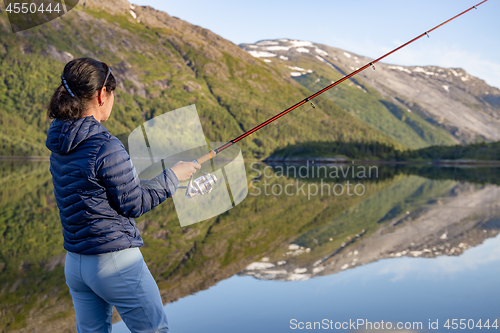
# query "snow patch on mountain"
(302, 50)
(422, 70)
(403, 69)
(300, 43)
(267, 42)
(259, 265)
(320, 51)
(262, 54)
(320, 59)
(298, 71)
(296, 68)
(277, 48)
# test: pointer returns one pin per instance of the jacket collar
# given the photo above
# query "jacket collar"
(65, 135)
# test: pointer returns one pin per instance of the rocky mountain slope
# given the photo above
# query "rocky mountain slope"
(418, 105)
(161, 63)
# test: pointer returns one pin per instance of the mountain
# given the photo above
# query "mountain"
(161, 63)
(417, 105)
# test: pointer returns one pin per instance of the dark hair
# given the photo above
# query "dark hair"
(83, 77)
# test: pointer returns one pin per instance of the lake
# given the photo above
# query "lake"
(403, 245)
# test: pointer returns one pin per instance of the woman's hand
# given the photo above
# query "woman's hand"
(184, 170)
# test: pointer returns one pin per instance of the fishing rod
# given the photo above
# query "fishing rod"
(204, 184)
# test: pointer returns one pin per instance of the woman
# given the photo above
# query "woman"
(99, 195)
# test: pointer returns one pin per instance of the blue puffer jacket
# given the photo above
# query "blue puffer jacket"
(97, 189)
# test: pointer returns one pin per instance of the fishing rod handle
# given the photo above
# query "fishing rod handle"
(206, 157)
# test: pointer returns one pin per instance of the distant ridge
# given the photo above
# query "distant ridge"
(417, 105)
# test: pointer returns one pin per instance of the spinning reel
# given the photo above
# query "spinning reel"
(200, 186)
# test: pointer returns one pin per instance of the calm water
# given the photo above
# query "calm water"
(412, 245)
(396, 290)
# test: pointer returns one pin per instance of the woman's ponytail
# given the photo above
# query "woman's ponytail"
(81, 80)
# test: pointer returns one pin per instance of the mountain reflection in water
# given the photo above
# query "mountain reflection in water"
(340, 244)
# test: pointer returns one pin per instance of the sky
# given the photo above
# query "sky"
(366, 27)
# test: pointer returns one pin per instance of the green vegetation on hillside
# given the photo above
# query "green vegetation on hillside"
(158, 69)
(365, 103)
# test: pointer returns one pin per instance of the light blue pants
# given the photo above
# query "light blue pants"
(121, 278)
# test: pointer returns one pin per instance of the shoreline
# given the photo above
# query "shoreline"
(24, 158)
(318, 161)
(381, 162)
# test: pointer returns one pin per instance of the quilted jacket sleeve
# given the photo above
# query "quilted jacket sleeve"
(129, 196)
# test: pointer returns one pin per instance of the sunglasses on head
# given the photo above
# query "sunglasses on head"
(108, 72)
